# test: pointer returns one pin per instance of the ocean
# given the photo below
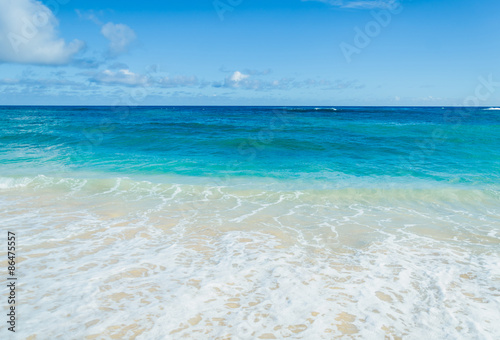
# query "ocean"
(252, 222)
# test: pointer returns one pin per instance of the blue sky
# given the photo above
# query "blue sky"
(249, 52)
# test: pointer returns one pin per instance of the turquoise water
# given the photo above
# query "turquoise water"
(248, 222)
(441, 145)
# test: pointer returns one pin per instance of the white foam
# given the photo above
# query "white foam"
(118, 259)
(9, 183)
(326, 108)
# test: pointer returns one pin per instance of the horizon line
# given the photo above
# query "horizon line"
(319, 106)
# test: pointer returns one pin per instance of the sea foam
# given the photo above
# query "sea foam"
(122, 258)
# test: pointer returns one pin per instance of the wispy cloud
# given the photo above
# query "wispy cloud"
(178, 81)
(86, 63)
(120, 37)
(31, 35)
(360, 4)
(120, 77)
(124, 77)
(240, 80)
(253, 72)
(39, 82)
(118, 66)
(90, 15)
(115, 77)
(249, 71)
(244, 81)
(30, 82)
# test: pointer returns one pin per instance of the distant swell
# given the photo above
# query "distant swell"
(311, 109)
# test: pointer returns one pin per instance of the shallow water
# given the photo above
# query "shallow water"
(247, 223)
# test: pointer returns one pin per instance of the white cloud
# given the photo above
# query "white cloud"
(238, 76)
(28, 35)
(361, 4)
(236, 79)
(120, 36)
(120, 77)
